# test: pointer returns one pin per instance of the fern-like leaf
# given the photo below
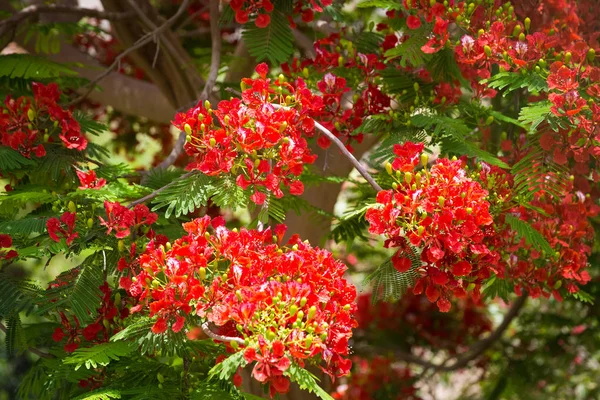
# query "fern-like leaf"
(410, 50)
(388, 4)
(273, 43)
(185, 195)
(306, 381)
(530, 234)
(18, 296)
(391, 285)
(27, 66)
(535, 114)
(101, 354)
(226, 368)
(511, 81)
(25, 226)
(11, 160)
(100, 394)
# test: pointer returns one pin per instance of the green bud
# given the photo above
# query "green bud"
(340, 61)
(557, 285)
(488, 50)
(46, 137)
(420, 230)
(234, 344)
(106, 323)
(303, 302)
(207, 104)
(394, 186)
(308, 341)
(388, 168)
(305, 72)
(202, 273)
(155, 283)
(31, 114)
(90, 223)
(517, 30)
(424, 159)
(568, 56)
(416, 86)
(187, 128)
(300, 315)
(293, 310)
(347, 307)
(521, 37)
(469, 210)
(160, 377)
(408, 177)
(591, 54)
(72, 207)
(489, 120)
(527, 23)
(311, 312)
(118, 299)
(441, 201)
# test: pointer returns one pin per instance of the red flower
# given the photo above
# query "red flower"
(89, 180)
(413, 22)
(56, 230)
(262, 21)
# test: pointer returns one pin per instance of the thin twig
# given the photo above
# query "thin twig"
(215, 61)
(137, 45)
(359, 167)
(32, 350)
(206, 329)
(476, 350)
(159, 190)
(34, 11)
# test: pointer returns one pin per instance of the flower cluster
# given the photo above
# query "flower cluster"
(259, 138)
(5, 243)
(63, 228)
(442, 212)
(288, 303)
(377, 378)
(25, 124)
(260, 10)
(111, 310)
(121, 219)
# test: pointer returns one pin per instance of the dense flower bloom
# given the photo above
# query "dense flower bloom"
(289, 302)
(121, 219)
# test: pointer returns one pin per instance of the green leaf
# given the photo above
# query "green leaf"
(351, 226)
(391, 285)
(212, 391)
(388, 4)
(368, 42)
(465, 147)
(101, 354)
(496, 287)
(226, 368)
(89, 125)
(13, 333)
(18, 296)
(583, 296)
(306, 381)
(410, 50)
(185, 195)
(273, 43)
(81, 292)
(11, 160)
(28, 66)
(159, 177)
(13, 202)
(25, 226)
(100, 394)
(535, 114)
(530, 234)
(510, 81)
(227, 194)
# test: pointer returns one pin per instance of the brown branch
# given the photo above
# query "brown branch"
(32, 350)
(147, 38)
(215, 62)
(206, 329)
(33, 11)
(476, 350)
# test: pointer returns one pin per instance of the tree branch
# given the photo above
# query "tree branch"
(33, 11)
(359, 167)
(215, 62)
(206, 329)
(32, 350)
(147, 38)
(476, 350)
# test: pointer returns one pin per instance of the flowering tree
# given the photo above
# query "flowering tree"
(460, 140)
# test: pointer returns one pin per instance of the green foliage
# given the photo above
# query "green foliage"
(27, 66)
(100, 394)
(185, 195)
(452, 146)
(535, 114)
(80, 294)
(100, 354)
(496, 287)
(306, 381)
(410, 50)
(24, 227)
(226, 368)
(18, 296)
(159, 177)
(351, 226)
(583, 296)
(228, 194)
(530, 234)
(13, 333)
(214, 391)
(368, 42)
(13, 202)
(388, 4)
(273, 43)
(89, 125)
(511, 81)
(389, 284)
(537, 172)
(13, 160)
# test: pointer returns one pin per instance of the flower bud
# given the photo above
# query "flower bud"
(311, 312)
(308, 341)
(187, 128)
(408, 177)
(517, 30)
(305, 72)
(238, 294)
(293, 310)
(469, 210)
(416, 86)
(489, 120)
(420, 230)
(591, 54)
(488, 50)
(234, 344)
(72, 207)
(418, 178)
(527, 23)
(388, 168)
(441, 201)
(424, 159)
(207, 104)
(303, 301)
(31, 114)
(300, 315)
(394, 186)
(202, 273)
(160, 377)
(340, 61)
(347, 307)
(522, 37)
